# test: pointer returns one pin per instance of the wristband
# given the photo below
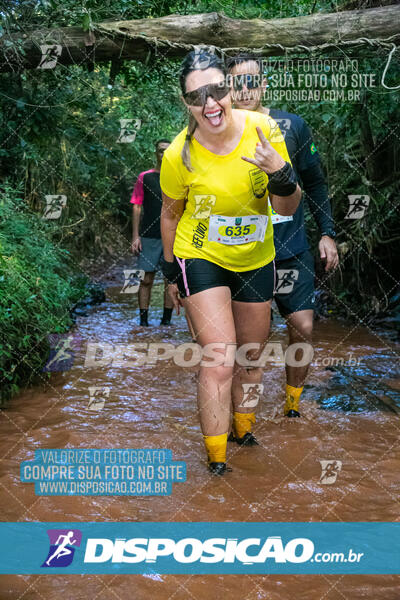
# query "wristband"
(283, 182)
(330, 233)
(170, 270)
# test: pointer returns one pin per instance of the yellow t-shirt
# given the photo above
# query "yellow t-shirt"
(228, 186)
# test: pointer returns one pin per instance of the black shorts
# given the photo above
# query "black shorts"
(295, 284)
(246, 286)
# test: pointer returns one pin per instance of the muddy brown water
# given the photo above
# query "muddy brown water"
(348, 415)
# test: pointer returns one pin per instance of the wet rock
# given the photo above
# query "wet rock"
(95, 295)
(390, 318)
(357, 389)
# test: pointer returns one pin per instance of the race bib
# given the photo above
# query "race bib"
(237, 230)
(277, 218)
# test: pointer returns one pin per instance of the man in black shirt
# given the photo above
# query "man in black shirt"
(294, 294)
(146, 239)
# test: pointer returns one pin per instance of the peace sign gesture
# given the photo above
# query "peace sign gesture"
(266, 157)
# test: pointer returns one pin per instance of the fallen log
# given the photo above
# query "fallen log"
(174, 35)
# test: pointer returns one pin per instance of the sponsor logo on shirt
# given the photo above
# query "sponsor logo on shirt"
(258, 182)
(198, 235)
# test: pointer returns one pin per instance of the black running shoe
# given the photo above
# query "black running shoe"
(165, 322)
(292, 413)
(144, 323)
(218, 468)
(247, 440)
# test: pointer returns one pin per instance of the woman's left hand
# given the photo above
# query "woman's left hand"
(175, 297)
(266, 157)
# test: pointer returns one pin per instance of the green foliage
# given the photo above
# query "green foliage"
(37, 289)
(51, 13)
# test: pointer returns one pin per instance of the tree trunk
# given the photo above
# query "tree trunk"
(174, 35)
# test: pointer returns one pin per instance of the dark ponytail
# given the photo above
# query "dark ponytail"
(196, 61)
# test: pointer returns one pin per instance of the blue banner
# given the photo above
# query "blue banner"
(200, 548)
(108, 472)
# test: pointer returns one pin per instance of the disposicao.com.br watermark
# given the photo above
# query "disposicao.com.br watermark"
(204, 548)
(100, 354)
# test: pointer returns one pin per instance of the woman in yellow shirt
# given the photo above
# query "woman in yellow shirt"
(218, 241)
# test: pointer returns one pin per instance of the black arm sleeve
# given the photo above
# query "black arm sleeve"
(316, 194)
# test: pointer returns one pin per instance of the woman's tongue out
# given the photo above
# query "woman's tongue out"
(214, 117)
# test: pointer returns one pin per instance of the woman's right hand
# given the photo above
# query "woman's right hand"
(175, 297)
(266, 157)
(136, 246)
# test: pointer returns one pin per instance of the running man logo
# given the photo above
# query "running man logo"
(129, 129)
(286, 280)
(54, 206)
(62, 352)
(258, 182)
(204, 205)
(330, 470)
(50, 54)
(132, 281)
(61, 551)
(357, 207)
(97, 397)
(284, 125)
(201, 59)
(251, 394)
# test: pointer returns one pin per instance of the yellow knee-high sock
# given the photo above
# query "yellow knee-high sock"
(242, 423)
(292, 398)
(216, 447)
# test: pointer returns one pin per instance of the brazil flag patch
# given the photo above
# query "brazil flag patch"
(313, 148)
